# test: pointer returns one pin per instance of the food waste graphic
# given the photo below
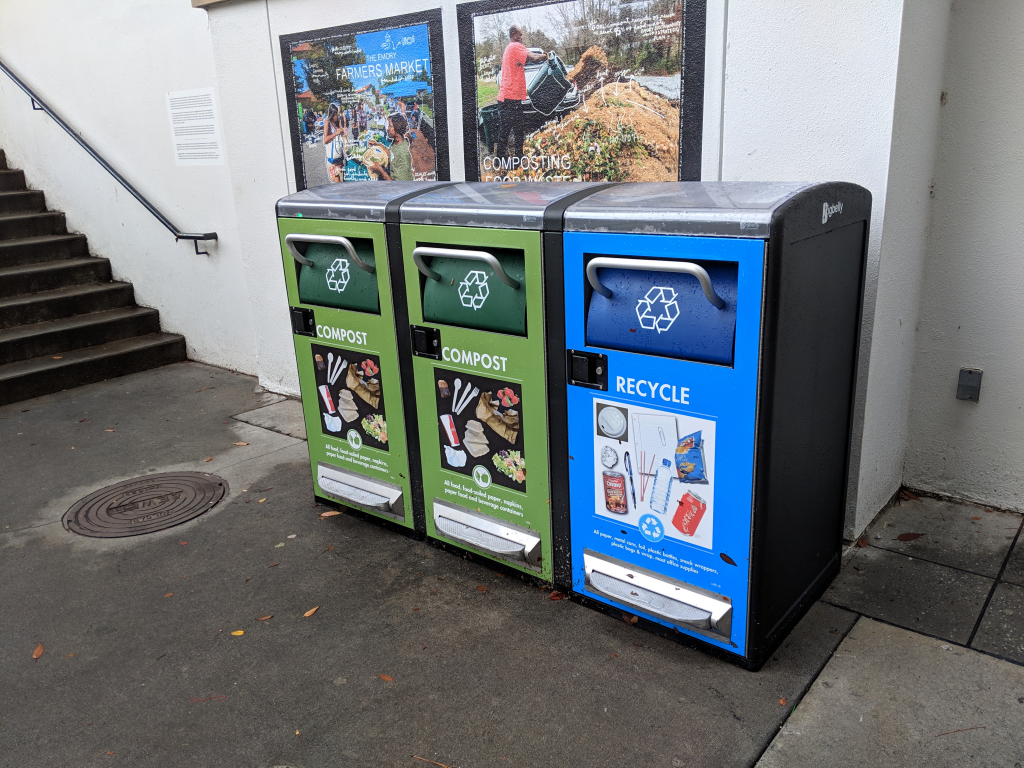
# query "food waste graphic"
(654, 470)
(351, 399)
(480, 429)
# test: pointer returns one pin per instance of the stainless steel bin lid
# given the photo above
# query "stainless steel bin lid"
(724, 209)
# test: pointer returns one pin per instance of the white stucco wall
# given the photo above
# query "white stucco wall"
(105, 68)
(972, 314)
(843, 92)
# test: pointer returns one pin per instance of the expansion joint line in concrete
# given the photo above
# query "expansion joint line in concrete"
(995, 584)
(793, 705)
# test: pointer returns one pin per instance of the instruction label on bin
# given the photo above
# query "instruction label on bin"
(654, 470)
(480, 430)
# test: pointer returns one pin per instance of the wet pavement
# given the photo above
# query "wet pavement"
(413, 652)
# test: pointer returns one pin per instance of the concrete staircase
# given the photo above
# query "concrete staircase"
(63, 322)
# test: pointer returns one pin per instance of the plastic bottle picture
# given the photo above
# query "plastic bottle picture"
(662, 488)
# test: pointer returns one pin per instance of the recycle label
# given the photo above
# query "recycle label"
(658, 310)
(337, 275)
(473, 290)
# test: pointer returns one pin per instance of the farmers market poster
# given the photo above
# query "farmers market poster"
(364, 100)
(583, 90)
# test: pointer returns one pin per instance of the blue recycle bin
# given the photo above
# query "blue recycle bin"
(711, 339)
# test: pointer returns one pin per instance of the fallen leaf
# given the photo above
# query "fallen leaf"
(332, 513)
(110, 753)
(310, 612)
(58, 357)
(629, 618)
(70, 655)
(209, 459)
(169, 594)
(555, 595)
(615, 655)
(262, 500)
(38, 651)
(239, 443)
(909, 536)
(249, 579)
(415, 609)
(108, 430)
(277, 546)
(386, 678)
(782, 702)
(975, 518)
(292, 536)
(908, 496)
(272, 565)
(238, 632)
(183, 543)
(726, 558)
(481, 588)
(862, 541)
(264, 618)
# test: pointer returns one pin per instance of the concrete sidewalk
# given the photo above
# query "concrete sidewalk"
(412, 652)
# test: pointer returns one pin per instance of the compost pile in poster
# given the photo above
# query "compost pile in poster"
(364, 106)
(603, 105)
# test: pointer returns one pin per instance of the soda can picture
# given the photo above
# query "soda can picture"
(689, 513)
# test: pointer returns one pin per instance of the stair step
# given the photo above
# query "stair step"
(11, 180)
(42, 375)
(28, 200)
(56, 336)
(64, 302)
(34, 250)
(33, 278)
(17, 225)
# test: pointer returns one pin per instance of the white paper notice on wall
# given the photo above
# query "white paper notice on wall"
(195, 127)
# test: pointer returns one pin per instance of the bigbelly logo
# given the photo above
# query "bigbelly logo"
(828, 211)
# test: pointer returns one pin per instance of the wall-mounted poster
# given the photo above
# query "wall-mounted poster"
(583, 90)
(367, 101)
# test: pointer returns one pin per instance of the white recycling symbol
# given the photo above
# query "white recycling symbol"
(337, 275)
(658, 310)
(473, 290)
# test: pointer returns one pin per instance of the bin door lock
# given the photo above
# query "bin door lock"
(426, 342)
(587, 369)
(303, 322)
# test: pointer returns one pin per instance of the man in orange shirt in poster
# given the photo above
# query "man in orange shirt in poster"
(512, 92)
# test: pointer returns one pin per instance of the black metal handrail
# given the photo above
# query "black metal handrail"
(38, 103)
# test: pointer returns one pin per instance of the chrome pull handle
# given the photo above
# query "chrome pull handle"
(344, 242)
(644, 265)
(452, 253)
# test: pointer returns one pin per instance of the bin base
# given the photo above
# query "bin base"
(755, 661)
(383, 522)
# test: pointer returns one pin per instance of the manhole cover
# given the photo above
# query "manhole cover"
(145, 504)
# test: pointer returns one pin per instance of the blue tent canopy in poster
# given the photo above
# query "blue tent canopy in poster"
(405, 88)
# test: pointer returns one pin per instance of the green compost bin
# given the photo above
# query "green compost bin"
(341, 298)
(474, 273)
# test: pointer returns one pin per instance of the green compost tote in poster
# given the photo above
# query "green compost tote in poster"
(583, 91)
(363, 104)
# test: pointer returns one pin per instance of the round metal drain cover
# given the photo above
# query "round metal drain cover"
(145, 504)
